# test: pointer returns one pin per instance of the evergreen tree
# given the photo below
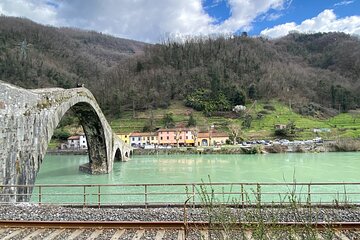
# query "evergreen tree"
(168, 120)
(191, 121)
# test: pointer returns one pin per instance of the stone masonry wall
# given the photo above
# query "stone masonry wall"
(28, 119)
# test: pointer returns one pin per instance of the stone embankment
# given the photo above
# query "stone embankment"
(257, 149)
(67, 152)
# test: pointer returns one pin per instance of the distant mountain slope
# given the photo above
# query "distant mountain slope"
(314, 73)
(33, 55)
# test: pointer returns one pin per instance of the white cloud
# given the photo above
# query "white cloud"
(343, 3)
(243, 12)
(326, 21)
(36, 10)
(145, 20)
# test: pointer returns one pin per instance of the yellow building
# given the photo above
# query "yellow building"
(211, 138)
(218, 138)
(203, 139)
(125, 137)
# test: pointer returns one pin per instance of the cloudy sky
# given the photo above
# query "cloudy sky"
(156, 20)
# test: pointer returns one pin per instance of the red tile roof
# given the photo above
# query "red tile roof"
(136, 134)
(219, 134)
(149, 134)
(175, 129)
(74, 138)
(142, 134)
(203, 135)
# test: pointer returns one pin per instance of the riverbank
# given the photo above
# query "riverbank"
(67, 152)
(257, 149)
(344, 145)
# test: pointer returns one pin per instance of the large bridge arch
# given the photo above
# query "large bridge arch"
(98, 139)
(28, 119)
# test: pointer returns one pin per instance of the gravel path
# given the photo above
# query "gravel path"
(58, 213)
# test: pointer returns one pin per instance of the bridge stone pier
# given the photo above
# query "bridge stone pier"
(28, 119)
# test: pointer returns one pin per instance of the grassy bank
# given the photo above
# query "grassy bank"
(343, 125)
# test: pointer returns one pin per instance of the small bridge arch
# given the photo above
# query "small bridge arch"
(117, 156)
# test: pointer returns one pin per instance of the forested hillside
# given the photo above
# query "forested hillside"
(314, 73)
(308, 71)
(35, 56)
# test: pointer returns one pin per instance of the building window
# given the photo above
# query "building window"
(133, 139)
(160, 138)
(139, 138)
(187, 137)
(152, 138)
(175, 137)
(125, 136)
(180, 137)
(167, 137)
(148, 138)
(125, 141)
(83, 141)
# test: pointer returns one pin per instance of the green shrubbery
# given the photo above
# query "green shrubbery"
(204, 100)
(61, 134)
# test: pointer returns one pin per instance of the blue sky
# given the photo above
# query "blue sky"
(156, 20)
(294, 11)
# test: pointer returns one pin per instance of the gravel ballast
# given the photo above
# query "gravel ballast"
(33, 212)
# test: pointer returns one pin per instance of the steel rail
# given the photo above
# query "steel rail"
(174, 225)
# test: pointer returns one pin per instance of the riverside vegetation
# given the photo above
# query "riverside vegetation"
(259, 221)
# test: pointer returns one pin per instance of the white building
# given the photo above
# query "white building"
(136, 139)
(77, 142)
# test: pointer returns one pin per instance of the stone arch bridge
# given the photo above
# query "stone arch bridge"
(28, 119)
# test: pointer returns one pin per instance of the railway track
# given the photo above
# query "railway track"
(53, 230)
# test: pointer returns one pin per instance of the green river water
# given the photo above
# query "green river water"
(272, 168)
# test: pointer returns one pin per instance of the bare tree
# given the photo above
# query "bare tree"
(235, 129)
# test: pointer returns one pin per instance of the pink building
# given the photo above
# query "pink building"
(175, 136)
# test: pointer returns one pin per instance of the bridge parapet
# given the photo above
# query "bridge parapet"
(28, 119)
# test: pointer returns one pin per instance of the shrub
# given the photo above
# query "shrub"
(269, 107)
(61, 134)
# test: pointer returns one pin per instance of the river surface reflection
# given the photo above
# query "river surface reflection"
(269, 168)
(303, 167)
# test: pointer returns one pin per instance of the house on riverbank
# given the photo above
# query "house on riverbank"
(211, 138)
(77, 142)
(125, 137)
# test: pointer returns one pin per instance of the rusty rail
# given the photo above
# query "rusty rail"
(173, 224)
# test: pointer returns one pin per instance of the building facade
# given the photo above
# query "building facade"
(77, 142)
(125, 137)
(136, 139)
(150, 138)
(203, 139)
(176, 136)
(218, 138)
